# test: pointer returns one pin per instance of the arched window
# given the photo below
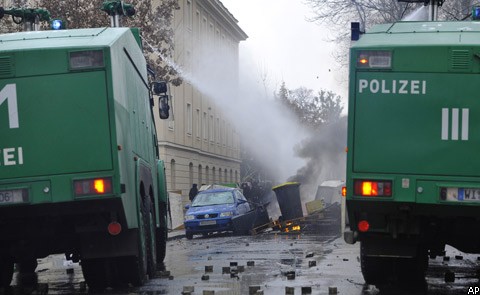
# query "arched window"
(190, 173)
(200, 180)
(207, 175)
(214, 175)
(172, 174)
(236, 176)
(231, 176)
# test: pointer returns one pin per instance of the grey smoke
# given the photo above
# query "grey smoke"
(324, 152)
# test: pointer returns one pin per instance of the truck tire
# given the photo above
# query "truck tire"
(6, 271)
(95, 273)
(386, 270)
(150, 238)
(375, 270)
(162, 234)
(412, 270)
(26, 266)
(137, 266)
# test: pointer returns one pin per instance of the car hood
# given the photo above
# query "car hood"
(211, 209)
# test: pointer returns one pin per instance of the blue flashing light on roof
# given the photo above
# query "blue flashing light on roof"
(58, 24)
(476, 13)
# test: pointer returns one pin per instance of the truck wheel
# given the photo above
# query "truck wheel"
(189, 235)
(162, 237)
(375, 270)
(162, 234)
(95, 273)
(27, 265)
(137, 266)
(150, 238)
(6, 271)
(412, 270)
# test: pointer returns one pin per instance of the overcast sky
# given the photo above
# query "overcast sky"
(287, 47)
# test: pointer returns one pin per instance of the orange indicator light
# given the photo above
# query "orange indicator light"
(99, 186)
(369, 188)
(363, 61)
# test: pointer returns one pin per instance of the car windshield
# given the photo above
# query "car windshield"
(214, 198)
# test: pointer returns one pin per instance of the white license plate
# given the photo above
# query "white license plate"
(208, 222)
(463, 194)
(11, 196)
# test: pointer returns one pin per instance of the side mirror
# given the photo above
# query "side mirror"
(164, 107)
(187, 206)
(159, 87)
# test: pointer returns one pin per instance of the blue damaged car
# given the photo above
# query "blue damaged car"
(212, 211)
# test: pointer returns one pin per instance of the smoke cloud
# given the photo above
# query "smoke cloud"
(325, 155)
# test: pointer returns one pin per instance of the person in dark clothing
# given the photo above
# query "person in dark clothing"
(193, 192)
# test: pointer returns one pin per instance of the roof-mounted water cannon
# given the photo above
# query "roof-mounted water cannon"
(30, 17)
(116, 9)
(433, 7)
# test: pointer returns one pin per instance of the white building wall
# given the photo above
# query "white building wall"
(198, 134)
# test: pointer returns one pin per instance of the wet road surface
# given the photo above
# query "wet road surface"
(273, 263)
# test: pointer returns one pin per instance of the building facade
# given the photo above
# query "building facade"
(198, 143)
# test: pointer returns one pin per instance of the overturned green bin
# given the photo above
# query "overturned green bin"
(288, 197)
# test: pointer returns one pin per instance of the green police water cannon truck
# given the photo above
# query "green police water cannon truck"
(413, 183)
(80, 172)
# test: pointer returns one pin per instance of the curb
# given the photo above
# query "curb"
(175, 235)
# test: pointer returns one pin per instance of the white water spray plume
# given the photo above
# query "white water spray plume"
(419, 14)
(266, 127)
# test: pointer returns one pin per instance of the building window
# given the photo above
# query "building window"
(207, 175)
(188, 14)
(204, 29)
(236, 176)
(220, 175)
(205, 126)
(172, 174)
(210, 130)
(198, 124)
(231, 175)
(214, 175)
(200, 180)
(189, 119)
(217, 127)
(224, 134)
(190, 173)
(228, 135)
(197, 25)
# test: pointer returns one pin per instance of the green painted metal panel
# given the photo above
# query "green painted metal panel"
(416, 123)
(63, 126)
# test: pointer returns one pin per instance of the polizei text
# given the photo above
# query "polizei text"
(392, 86)
(11, 156)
